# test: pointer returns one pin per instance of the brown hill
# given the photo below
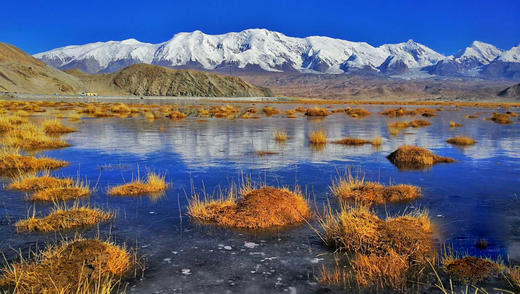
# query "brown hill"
(20, 72)
(153, 80)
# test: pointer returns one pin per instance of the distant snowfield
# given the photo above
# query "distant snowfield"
(260, 49)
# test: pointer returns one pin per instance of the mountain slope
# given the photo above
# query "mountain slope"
(153, 80)
(20, 72)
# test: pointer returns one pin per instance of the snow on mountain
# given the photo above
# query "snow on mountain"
(511, 55)
(261, 49)
(479, 53)
(270, 51)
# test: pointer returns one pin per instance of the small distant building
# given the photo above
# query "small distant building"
(89, 94)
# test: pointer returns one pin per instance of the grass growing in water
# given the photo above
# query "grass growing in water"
(357, 141)
(280, 135)
(29, 137)
(461, 140)
(78, 266)
(63, 218)
(256, 208)
(413, 157)
(12, 161)
(358, 190)
(56, 127)
(76, 191)
(501, 118)
(154, 183)
(318, 137)
(35, 182)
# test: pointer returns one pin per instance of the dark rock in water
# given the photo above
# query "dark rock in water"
(510, 92)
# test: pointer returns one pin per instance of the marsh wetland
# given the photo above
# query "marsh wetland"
(245, 197)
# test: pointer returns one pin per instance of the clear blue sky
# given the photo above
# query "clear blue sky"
(445, 26)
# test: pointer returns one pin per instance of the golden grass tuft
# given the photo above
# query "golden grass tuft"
(154, 183)
(513, 274)
(270, 111)
(360, 191)
(64, 219)
(387, 253)
(357, 112)
(262, 208)
(74, 117)
(56, 127)
(377, 141)
(471, 269)
(461, 140)
(78, 266)
(412, 157)
(280, 135)
(318, 137)
(176, 115)
(39, 182)
(414, 124)
(120, 108)
(29, 137)
(316, 111)
(512, 113)
(11, 161)
(76, 191)
(454, 124)
(397, 112)
(501, 118)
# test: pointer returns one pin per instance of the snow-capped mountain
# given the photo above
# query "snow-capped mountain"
(264, 50)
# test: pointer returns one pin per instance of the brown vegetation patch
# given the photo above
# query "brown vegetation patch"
(501, 118)
(262, 208)
(397, 112)
(13, 162)
(64, 219)
(61, 193)
(461, 140)
(360, 191)
(80, 266)
(29, 137)
(35, 182)
(56, 127)
(455, 125)
(316, 111)
(357, 141)
(154, 184)
(270, 111)
(265, 153)
(412, 157)
(318, 137)
(176, 115)
(472, 269)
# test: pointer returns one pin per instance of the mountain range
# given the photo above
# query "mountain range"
(261, 50)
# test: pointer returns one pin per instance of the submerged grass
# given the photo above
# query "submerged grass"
(78, 266)
(154, 183)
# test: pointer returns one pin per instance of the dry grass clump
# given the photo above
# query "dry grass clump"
(513, 274)
(471, 116)
(120, 108)
(74, 117)
(29, 137)
(360, 191)
(11, 161)
(512, 113)
(412, 157)
(461, 140)
(386, 253)
(316, 111)
(64, 219)
(265, 153)
(7, 123)
(262, 208)
(56, 127)
(39, 182)
(471, 269)
(280, 135)
(154, 183)
(318, 137)
(501, 118)
(426, 112)
(77, 191)
(226, 111)
(357, 112)
(357, 141)
(176, 115)
(454, 124)
(414, 124)
(397, 112)
(270, 111)
(78, 266)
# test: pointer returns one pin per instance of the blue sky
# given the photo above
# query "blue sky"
(445, 26)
